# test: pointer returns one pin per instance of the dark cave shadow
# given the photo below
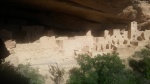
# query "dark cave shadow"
(3, 50)
(29, 36)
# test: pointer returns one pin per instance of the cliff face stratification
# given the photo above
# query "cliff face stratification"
(74, 14)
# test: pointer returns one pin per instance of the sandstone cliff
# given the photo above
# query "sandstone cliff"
(74, 14)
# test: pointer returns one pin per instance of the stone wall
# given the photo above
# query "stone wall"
(73, 43)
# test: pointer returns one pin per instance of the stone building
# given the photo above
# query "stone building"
(85, 44)
(108, 42)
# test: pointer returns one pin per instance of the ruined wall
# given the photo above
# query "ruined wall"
(83, 42)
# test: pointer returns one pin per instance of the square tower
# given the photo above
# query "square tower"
(133, 31)
(134, 25)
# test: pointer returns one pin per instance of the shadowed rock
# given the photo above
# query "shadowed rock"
(3, 50)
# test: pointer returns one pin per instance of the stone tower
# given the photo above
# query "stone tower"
(132, 31)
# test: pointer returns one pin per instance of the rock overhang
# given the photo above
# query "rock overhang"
(67, 14)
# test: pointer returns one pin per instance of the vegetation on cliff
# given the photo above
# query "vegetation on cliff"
(110, 69)
(22, 74)
(102, 69)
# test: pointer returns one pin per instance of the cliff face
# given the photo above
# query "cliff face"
(74, 14)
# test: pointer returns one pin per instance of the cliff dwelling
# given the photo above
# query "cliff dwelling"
(73, 43)
(46, 32)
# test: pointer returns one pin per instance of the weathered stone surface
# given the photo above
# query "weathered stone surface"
(10, 44)
(75, 14)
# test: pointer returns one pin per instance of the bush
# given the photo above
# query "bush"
(23, 74)
(30, 73)
(10, 75)
(102, 69)
(141, 62)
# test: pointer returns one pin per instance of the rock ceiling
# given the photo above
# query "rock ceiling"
(70, 14)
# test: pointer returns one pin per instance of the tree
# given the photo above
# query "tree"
(23, 74)
(9, 75)
(102, 69)
(31, 73)
(140, 62)
(57, 74)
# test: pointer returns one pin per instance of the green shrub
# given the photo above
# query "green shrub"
(142, 64)
(102, 69)
(23, 74)
(9, 75)
(32, 74)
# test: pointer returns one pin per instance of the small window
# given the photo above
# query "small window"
(115, 36)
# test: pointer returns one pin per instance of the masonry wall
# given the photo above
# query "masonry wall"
(81, 42)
